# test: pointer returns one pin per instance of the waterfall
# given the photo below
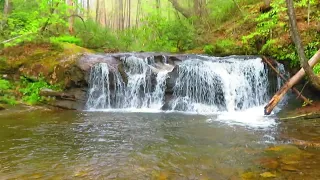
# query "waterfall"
(215, 86)
(137, 93)
(197, 84)
(158, 95)
(99, 92)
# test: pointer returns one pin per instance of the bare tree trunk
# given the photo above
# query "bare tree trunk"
(185, 12)
(88, 9)
(309, 11)
(6, 10)
(97, 11)
(138, 13)
(196, 6)
(289, 84)
(71, 17)
(315, 80)
(129, 13)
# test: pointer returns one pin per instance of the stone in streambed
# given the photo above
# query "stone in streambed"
(268, 175)
(2, 107)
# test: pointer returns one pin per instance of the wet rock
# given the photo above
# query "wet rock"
(288, 168)
(2, 107)
(249, 176)
(89, 60)
(73, 99)
(82, 173)
(171, 80)
(59, 95)
(268, 175)
(269, 163)
(283, 149)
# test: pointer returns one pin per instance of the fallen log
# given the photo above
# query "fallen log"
(289, 84)
(266, 60)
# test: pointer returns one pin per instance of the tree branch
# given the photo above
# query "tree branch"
(185, 12)
(314, 79)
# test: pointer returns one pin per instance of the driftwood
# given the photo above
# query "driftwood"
(289, 84)
(266, 60)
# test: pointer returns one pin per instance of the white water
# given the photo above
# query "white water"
(234, 90)
(206, 86)
(99, 93)
(157, 98)
(134, 96)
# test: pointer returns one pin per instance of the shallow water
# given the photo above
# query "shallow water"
(116, 145)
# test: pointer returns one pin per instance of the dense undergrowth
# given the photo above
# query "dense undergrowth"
(26, 91)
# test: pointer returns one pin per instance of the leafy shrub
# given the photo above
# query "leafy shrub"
(31, 90)
(5, 97)
(4, 85)
(208, 49)
(160, 34)
(8, 99)
(94, 35)
(66, 38)
(221, 47)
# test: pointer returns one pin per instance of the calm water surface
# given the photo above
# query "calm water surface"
(114, 145)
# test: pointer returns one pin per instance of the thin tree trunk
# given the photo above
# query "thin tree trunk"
(88, 9)
(6, 10)
(129, 13)
(138, 13)
(97, 11)
(185, 12)
(309, 11)
(289, 84)
(315, 80)
(71, 17)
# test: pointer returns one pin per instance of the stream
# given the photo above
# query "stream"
(112, 145)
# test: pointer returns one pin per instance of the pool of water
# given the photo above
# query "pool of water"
(42, 144)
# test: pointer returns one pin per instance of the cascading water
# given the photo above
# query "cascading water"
(157, 97)
(229, 86)
(137, 93)
(202, 84)
(99, 93)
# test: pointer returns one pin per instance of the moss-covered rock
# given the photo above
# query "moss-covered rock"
(56, 63)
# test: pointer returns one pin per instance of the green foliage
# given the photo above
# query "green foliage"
(8, 99)
(66, 38)
(208, 49)
(160, 34)
(4, 85)
(266, 25)
(31, 90)
(28, 18)
(94, 35)
(221, 47)
(221, 10)
(5, 97)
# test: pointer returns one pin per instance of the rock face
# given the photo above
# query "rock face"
(73, 99)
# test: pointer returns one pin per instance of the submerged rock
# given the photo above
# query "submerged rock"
(2, 107)
(268, 175)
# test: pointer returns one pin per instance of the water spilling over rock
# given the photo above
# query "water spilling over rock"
(184, 83)
(138, 92)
